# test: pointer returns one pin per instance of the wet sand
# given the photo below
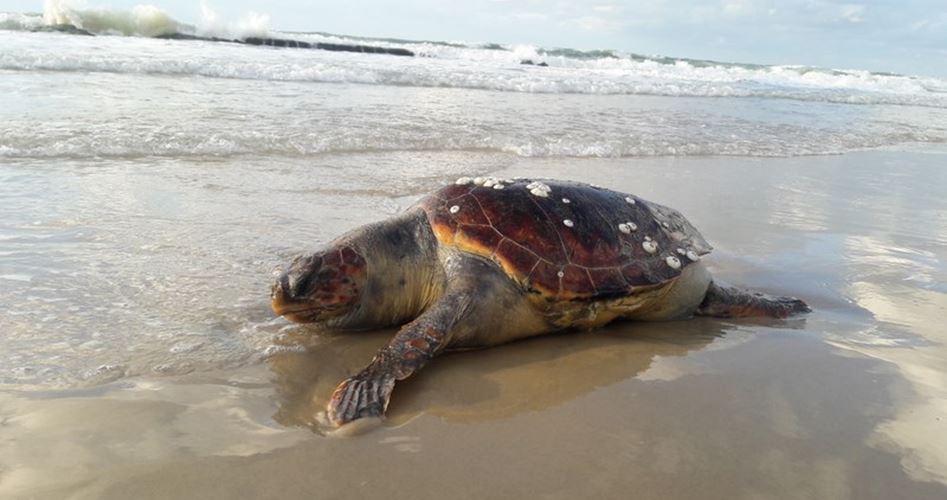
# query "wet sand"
(847, 402)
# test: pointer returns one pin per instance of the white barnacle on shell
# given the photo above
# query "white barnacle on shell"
(623, 227)
(489, 183)
(692, 255)
(479, 181)
(649, 246)
(647, 238)
(630, 200)
(498, 186)
(681, 251)
(463, 181)
(673, 262)
(566, 201)
(539, 185)
(560, 274)
(632, 226)
(568, 222)
(539, 192)
(454, 209)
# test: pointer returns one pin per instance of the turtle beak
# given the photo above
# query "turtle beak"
(290, 291)
(284, 305)
(278, 295)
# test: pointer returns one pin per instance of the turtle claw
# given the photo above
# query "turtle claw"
(358, 397)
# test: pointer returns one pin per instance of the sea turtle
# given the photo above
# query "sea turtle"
(484, 261)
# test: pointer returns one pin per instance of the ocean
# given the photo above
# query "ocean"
(292, 102)
(154, 175)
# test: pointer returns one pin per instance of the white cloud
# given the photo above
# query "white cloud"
(738, 7)
(853, 13)
(529, 16)
(597, 24)
(607, 8)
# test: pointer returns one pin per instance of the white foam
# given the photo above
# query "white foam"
(16, 21)
(141, 20)
(23, 278)
(250, 24)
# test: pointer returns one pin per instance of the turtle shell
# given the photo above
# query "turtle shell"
(566, 240)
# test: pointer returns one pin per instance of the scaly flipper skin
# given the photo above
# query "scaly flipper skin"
(729, 302)
(366, 394)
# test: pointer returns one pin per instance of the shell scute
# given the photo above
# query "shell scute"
(608, 281)
(635, 274)
(468, 211)
(544, 277)
(521, 219)
(482, 240)
(514, 257)
(452, 191)
(575, 281)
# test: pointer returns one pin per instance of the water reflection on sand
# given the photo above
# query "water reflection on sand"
(474, 385)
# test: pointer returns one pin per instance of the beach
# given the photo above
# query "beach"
(846, 402)
(149, 189)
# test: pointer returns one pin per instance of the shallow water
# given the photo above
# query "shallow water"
(65, 96)
(143, 361)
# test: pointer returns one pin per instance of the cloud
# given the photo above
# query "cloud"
(738, 7)
(607, 8)
(853, 13)
(596, 24)
(529, 16)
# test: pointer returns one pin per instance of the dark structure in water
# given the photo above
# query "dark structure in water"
(335, 47)
(63, 28)
(253, 40)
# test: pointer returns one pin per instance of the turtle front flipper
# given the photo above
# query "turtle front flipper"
(366, 394)
(729, 302)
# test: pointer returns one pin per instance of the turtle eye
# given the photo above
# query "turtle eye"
(298, 278)
(297, 284)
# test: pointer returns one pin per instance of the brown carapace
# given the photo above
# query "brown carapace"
(567, 240)
(485, 261)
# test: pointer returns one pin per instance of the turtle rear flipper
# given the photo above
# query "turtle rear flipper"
(729, 302)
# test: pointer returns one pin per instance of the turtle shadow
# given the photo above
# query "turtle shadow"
(484, 384)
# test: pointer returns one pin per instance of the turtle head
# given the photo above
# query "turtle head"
(320, 287)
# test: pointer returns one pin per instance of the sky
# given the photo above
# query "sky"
(901, 36)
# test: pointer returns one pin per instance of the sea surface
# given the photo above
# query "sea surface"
(149, 187)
